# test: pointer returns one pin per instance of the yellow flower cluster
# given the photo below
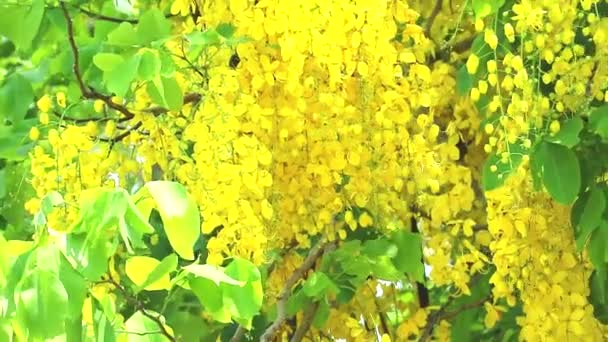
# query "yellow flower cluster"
(332, 121)
(536, 263)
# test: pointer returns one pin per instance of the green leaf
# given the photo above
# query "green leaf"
(5, 261)
(124, 35)
(318, 285)
(161, 271)
(50, 201)
(598, 248)
(560, 170)
(20, 22)
(145, 328)
(204, 38)
(108, 61)
(214, 273)
(174, 96)
(104, 331)
(244, 302)
(598, 284)
(322, 315)
(225, 30)
(598, 121)
(211, 297)
(587, 214)
(119, 79)
(149, 66)
(379, 247)
(16, 96)
(75, 285)
(93, 239)
(179, 213)
(494, 179)
(42, 304)
(6, 331)
(568, 134)
(464, 81)
(484, 8)
(409, 255)
(140, 270)
(153, 26)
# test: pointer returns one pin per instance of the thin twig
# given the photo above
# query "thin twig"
(86, 91)
(140, 307)
(122, 135)
(305, 324)
(107, 18)
(432, 17)
(315, 253)
(238, 334)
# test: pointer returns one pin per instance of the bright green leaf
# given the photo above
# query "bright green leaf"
(174, 96)
(161, 272)
(494, 179)
(568, 134)
(211, 297)
(42, 304)
(153, 26)
(214, 273)
(409, 255)
(145, 328)
(244, 302)
(139, 268)
(483, 8)
(204, 38)
(179, 213)
(592, 206)
(20, 23)
(108, 61)
(318, 285)
(16, 96)
(560, 172)
(598, 121)
(225, 30)
(119, 79)
(124, 34)
(149, 66)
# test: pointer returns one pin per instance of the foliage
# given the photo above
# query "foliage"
(285, 170)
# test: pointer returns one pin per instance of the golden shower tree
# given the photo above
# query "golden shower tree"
(233, 170)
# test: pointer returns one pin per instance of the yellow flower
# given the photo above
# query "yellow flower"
(365, 220)
(510, 32)
(61, 99)
(98, 106)
(44, 103)
(554, 127)
(34, 133)
(491, 39)
(472, 64)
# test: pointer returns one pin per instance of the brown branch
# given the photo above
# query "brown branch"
(107, 18)
(315, 253)
(158, 322)
(238, 334)
(86, 91)
(103, 17)
(306, 323)
(432, 17)
(140, 307)
(122, 135)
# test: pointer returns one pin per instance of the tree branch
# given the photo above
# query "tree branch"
(86, 91)
(432, 17)
(304, 326)
(315, 253)
(140, 307)
(238, 334)
(107, 18)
